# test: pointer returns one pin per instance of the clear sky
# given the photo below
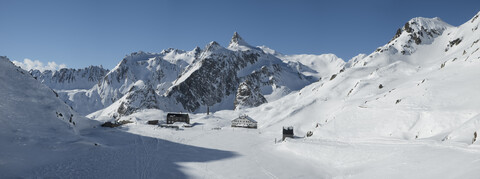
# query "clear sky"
(95, 32)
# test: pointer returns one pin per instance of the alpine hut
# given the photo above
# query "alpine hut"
(244, 121)
(287, 132)
(177, 117)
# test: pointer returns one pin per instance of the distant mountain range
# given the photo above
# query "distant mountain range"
(218, 78)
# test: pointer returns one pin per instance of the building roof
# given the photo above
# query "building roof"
(177, 115)
(245, 117)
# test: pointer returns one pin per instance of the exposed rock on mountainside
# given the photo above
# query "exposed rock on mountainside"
(247, 97)
(215, 77)
(417, 31)
(139, 97)
(68, 78)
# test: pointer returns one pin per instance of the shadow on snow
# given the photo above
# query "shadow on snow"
(124, 155)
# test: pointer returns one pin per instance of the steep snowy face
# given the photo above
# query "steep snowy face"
(68, 78)
(429, 94)
(31, 113)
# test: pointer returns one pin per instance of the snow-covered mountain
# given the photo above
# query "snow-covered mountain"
(69, 79)
(213, 79)
(421, 85)
(157, 70)
(191, 80)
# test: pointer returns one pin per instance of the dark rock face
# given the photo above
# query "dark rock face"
(474, 18)
(453, 43)
(236, 38)
(399, 32)
(218, 72)
(247, 96)
(214, 80)
(137, 99)
(333, 76)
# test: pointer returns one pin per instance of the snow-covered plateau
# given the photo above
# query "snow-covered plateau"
(410, 109)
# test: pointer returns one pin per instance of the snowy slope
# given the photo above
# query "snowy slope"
(25, 100)
(33, 120)
(428, 93)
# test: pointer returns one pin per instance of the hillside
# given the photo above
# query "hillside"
(428, 92)
(33, 119)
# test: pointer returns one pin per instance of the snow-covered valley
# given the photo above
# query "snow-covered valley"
(212, 149)
(410, 109)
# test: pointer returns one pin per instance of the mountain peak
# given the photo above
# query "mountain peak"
(197, 49)
(418, 24)
(212, 46)
(237, 41)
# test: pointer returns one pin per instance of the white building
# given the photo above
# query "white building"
(244, 121)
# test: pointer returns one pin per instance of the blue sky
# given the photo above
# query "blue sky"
(81, 33)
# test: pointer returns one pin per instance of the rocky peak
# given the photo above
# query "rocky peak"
(212, 46)
(417, 31)
(420, 26)
(237, 41)
(197, 49)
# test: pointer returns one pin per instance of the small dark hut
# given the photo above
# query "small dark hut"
(152, 122)
(287, 132)
(177, 117)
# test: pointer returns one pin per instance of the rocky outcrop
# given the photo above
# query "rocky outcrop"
(138, 98)
(68, 78)
(417, 31)
(248, 97)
